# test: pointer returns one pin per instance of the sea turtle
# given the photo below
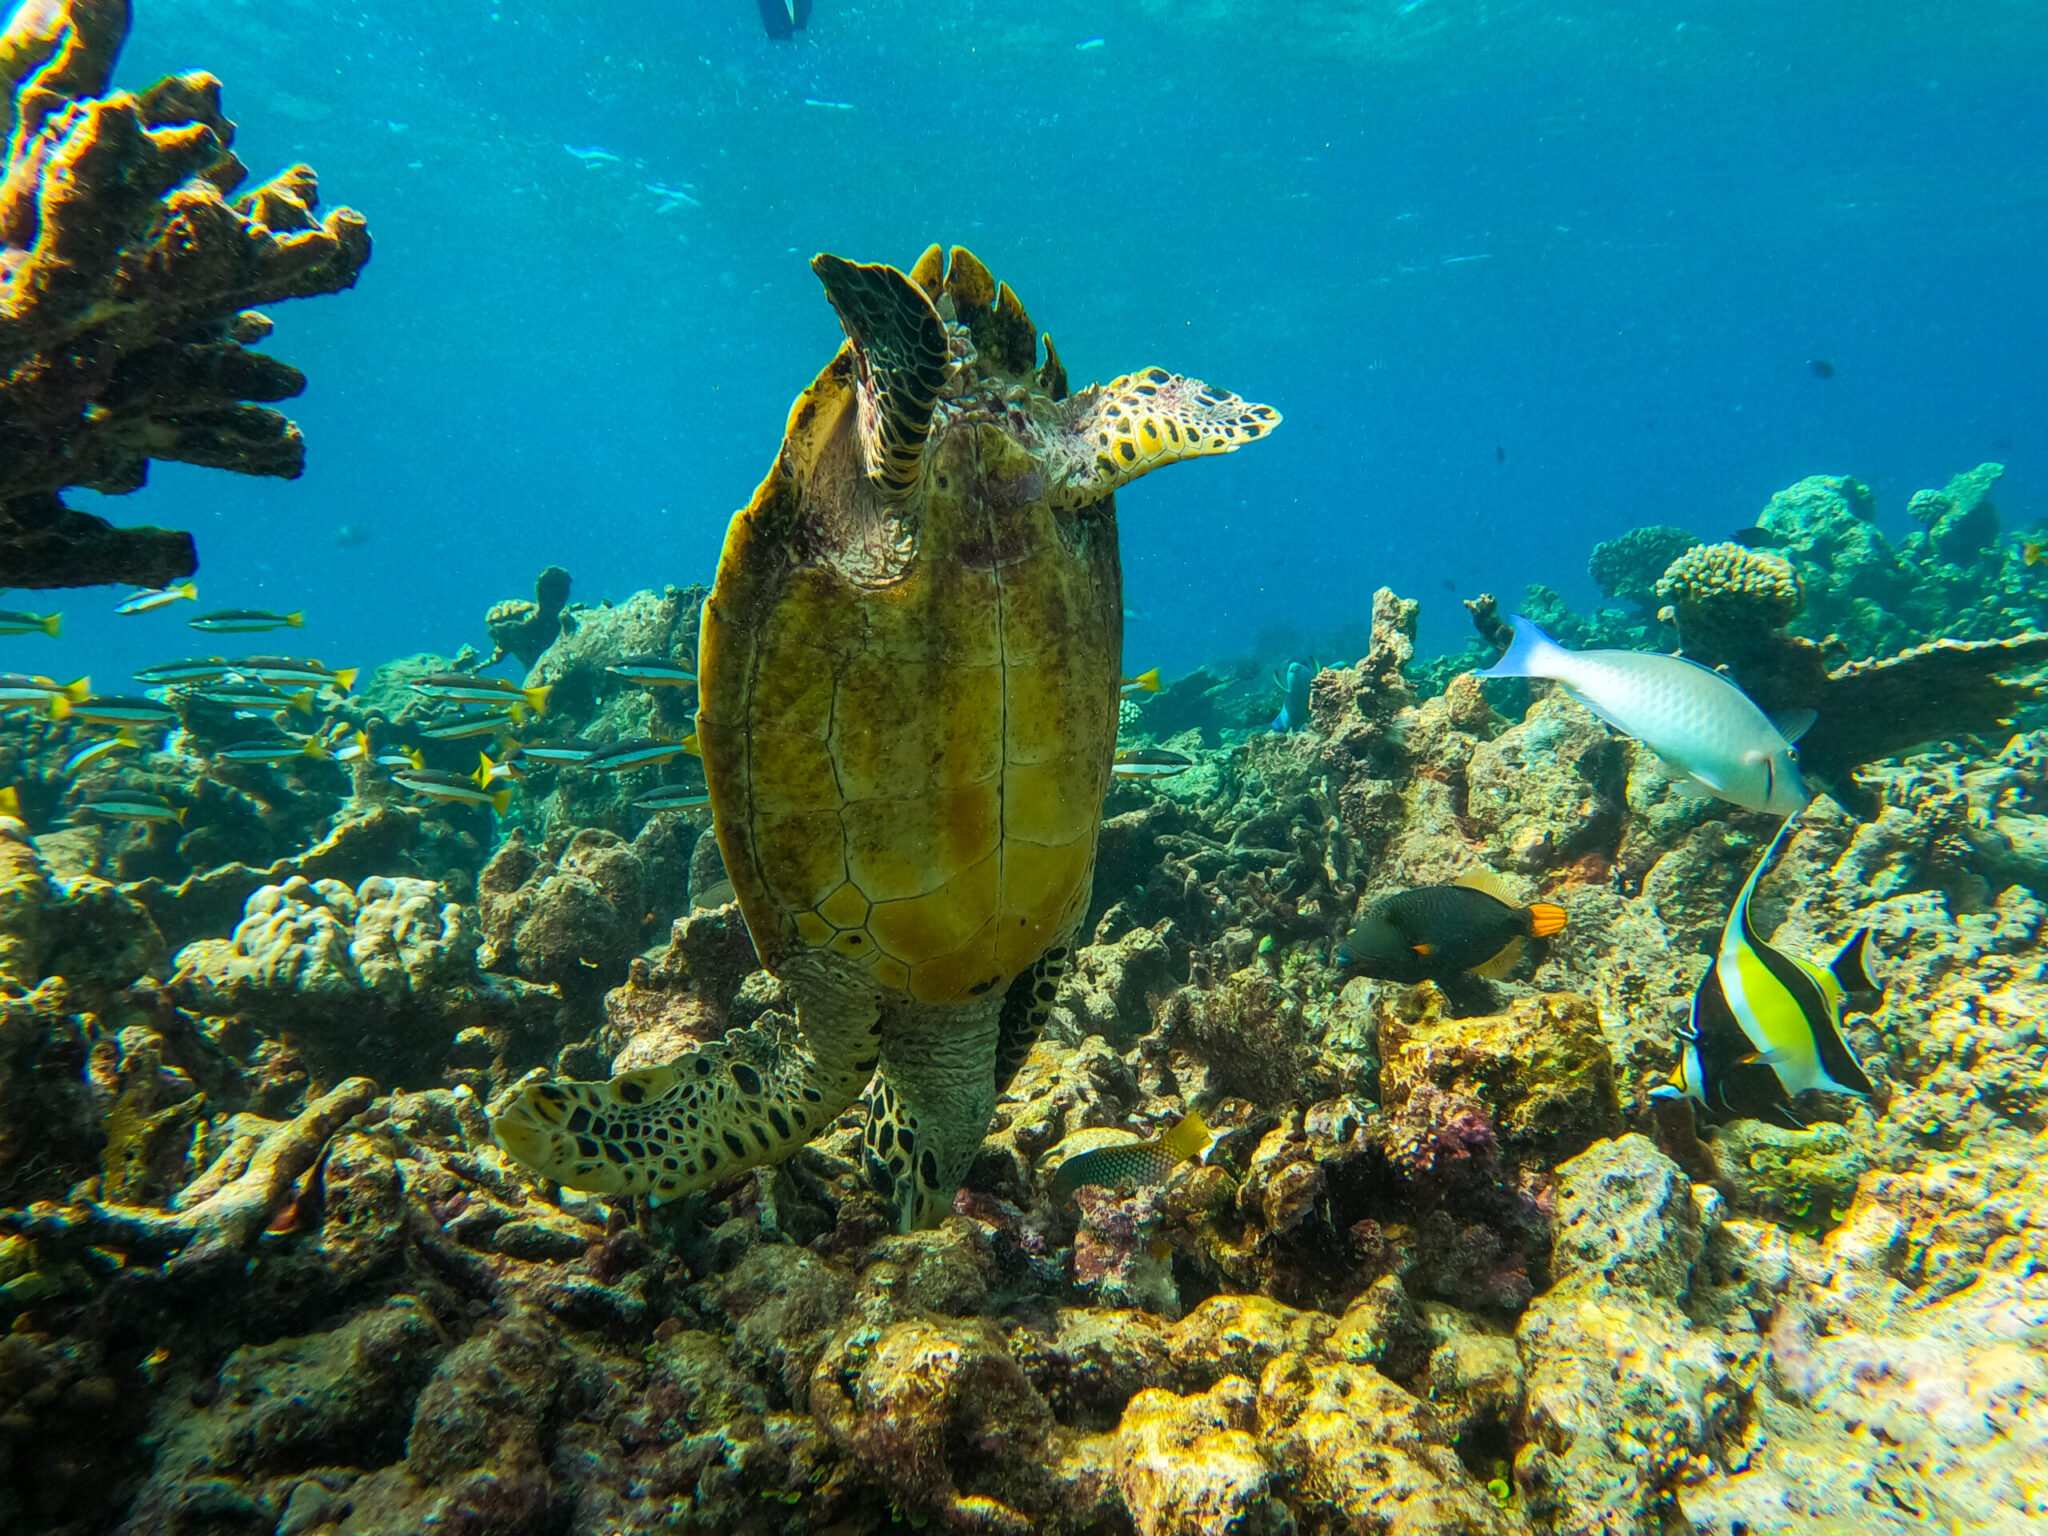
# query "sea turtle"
(910, 665)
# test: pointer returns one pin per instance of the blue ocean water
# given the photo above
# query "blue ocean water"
(1519, 275)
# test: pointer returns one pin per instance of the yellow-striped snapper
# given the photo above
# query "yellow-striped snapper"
(152, 598)
(1140, 1162)
(433, 784)
(257, 696)
(129, 806)
(463, 688)
(246, 621)
(18, 688)
(672, 797)
(13, 622)
(642, 753)
(275, 753)
(569, 756)
(1145, 682)
(1766, 1024)
(653, 672)
(114, 709)
(290, 669)
(205, 669)
(466, 727)
(1150, 763)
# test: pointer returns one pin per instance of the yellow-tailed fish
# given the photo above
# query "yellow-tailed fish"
(489, 771)
(152, 598)
(2031, 550)
(1766, 1024)
(633, 754)
(86, 756)
(10, 801)
(246, 621)
(469, 727)
(290, 669)
(275, 753)
(1139, 1162)
(465, 688)
(114, 709)
(1145, 682)
(13, 622)
(205, 669)
(453, 788)
(672, 797)
(653, 672)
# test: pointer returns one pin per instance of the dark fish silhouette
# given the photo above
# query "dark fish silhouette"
(1822, 368)
(1437, 932)
(783, 19)
(1758, 537)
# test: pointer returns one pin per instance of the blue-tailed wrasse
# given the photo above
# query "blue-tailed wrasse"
(114, 709)
(1475, 924)
(641, 753)
(99, 751)
(464, 688)
(653, 672)
(259, 696)
(451, 788)
(467, 727)
(671, 797)
(149, 599)
(246, 621)
(290, 670)
(1136, 1161)
(1145, 682)
(129, 805)
(204, 669)
(1150, 763)
(14, 622)
(1767, 1024)
(275, 753)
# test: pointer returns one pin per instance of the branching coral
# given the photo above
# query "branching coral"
(126, 280)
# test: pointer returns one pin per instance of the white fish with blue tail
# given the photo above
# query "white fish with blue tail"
(1707, 731)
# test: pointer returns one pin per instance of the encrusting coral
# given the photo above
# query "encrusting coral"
(127, 277)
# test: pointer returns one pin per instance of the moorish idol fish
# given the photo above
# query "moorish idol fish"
(1767, 1025)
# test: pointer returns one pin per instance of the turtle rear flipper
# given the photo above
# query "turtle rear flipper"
(899, 360)
(1133, 425)
(712, 1113)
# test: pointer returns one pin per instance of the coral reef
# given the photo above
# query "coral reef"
(1723, 596)
(127, 280)
(1630, 566)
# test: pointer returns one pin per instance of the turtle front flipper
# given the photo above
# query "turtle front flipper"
(1115, 432)
(899, 359)
(725, 1107)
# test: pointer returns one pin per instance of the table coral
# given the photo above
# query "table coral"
(127, 278)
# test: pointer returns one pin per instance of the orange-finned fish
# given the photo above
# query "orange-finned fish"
(1139, 1162)
(1436, 932)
